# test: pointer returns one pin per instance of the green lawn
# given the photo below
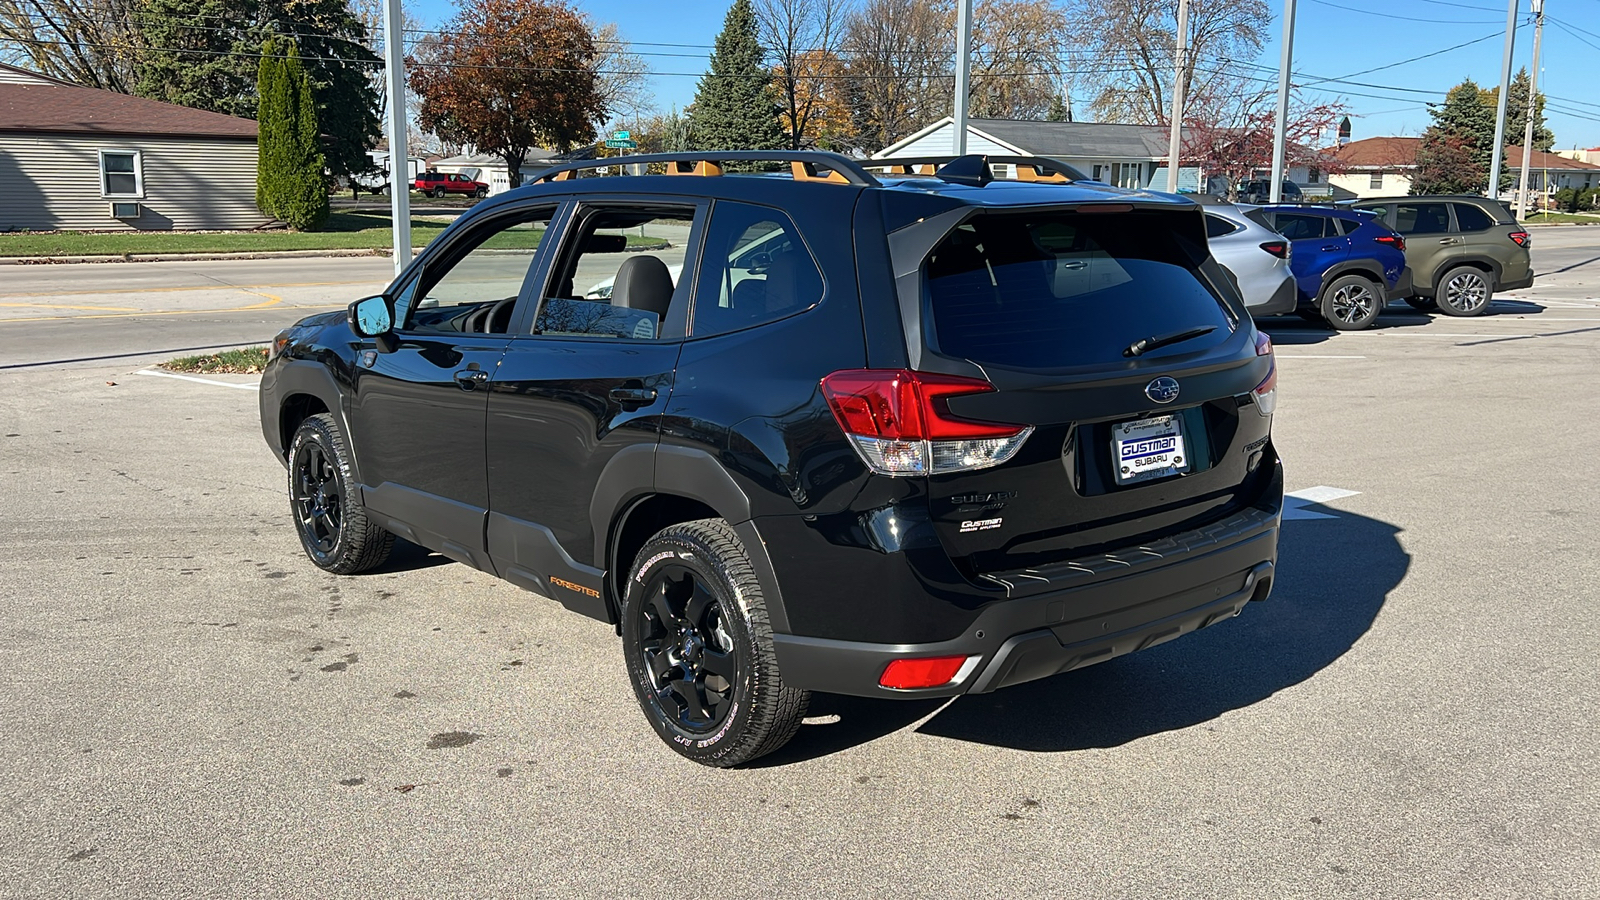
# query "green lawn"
(1560, 217)
(248, 361)
(345, 231)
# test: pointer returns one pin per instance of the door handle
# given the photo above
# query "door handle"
(1447, 240)
(470, 378)
(1330, 248)
(633, 397)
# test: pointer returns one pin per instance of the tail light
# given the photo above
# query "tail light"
(1393, 240)
(1280, 249)
(928, 672)
(1266, 393)
(900, 422)
(1521, 237)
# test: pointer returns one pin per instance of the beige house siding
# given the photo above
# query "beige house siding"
(1359, 184)
(52, 181)
(9, 75)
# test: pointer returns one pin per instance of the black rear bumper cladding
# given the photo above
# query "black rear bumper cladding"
(1197, 583)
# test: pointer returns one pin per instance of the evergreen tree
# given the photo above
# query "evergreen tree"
(1456, 150)
(1058, 111)
(289, 174)
(204, 54)
(1517, 112)
(733, 105)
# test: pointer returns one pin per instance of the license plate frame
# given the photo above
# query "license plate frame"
(1149, 448)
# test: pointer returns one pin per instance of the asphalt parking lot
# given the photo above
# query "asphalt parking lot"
(189, 708)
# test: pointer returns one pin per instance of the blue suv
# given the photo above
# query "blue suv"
(1346, 263)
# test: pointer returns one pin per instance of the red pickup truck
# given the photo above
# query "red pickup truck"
(437, 184)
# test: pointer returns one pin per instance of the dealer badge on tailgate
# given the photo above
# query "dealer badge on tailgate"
(1148, 448)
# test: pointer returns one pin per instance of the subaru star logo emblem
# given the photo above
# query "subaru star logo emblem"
(1162, 390)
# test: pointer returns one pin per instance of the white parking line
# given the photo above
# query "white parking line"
(1295, 502)
(1313, 356)
(227, 384)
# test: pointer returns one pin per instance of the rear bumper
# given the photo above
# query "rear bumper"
(1523, 282)
(1283, 300)
(1125, 602)
(1402, 288)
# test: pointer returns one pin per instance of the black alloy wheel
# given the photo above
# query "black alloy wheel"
(333, 525)
(698, 647)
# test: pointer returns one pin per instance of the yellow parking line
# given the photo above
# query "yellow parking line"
(192, 287)
(62, 306)
(176, 312)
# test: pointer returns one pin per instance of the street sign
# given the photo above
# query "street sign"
(621, 135)
(622, 144)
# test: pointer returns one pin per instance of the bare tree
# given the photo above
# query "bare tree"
(898, 56)
(798, 35)
(88, 42)
(1017, 47)
(1129, 46)
(622, 77)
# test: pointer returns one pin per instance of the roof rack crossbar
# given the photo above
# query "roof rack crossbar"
(1029, 168)
(816, 164)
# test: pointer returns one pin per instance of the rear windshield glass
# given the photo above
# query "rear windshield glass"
(1056, 289)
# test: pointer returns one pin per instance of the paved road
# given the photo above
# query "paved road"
(189, 708)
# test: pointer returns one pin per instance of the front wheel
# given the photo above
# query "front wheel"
(481, 193)
(698, 647)
(332, 524)
(1350, 303)
(1465, 291)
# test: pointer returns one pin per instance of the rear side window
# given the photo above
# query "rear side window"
(1422, 218)
(1057, 289)
(1217, 226)
(1471, 218)
(1302, 227)
(756, 269)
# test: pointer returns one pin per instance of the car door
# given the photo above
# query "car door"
(582, 389)
(1318, 247)
(1430, 243)
(419, 399)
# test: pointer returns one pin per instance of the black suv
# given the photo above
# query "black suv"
(913, 434)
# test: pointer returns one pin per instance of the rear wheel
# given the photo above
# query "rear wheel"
(438, 193)
(480, 193)
(1426, 304)
(1465, 291)
(1350, 303)
(332, 524)
(698, 648)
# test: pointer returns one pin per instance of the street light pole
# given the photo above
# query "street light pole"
(1500, 107)
(963, 74)
(1179, 87)
(394, 83)
(1533, 108)
(1281, 125)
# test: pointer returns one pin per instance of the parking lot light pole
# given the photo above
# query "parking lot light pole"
(1533, 108)
(1179, 85)
(963, 74)
(394, 82)
(1500, 107)
(1275, 191)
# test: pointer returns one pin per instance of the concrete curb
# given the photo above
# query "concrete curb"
(190, 257)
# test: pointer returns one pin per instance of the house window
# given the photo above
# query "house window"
(121, 174)
(1098, 171)
(1130, 175)
(1377, 180)
(1313, 176)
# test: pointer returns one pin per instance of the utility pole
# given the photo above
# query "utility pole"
(1533, 108)
(963, 74)
(1179, 87)
(1280, 127)
(394, 82)
(1500, 107)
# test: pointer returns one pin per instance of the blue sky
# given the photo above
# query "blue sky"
(1333, 39)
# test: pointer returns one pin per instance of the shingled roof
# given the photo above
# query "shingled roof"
(1380, 153)
(69, 109)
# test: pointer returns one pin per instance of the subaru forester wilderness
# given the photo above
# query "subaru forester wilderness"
(918, 433)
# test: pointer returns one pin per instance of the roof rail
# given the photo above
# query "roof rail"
(1029, 168)
(806, 165)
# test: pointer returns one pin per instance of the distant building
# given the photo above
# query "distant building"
(79, 158)
(1548, 173)
(1376, 167)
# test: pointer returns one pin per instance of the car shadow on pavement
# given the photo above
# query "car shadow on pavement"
(1291, 331)
(1333, 577)
(408, 557)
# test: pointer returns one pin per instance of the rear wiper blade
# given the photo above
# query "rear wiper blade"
(1141, 346)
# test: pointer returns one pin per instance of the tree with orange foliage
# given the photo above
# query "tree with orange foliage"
(817, 109)
(506, 76)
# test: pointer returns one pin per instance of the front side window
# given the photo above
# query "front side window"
(474, 285)
(756, 270)
(121, 174)
(1422, 218)
(618, 275)
(1058, 289)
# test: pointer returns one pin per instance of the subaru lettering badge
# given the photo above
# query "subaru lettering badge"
(1162, 390)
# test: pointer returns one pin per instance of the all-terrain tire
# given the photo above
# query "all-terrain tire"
(698, 646)
(333, 526)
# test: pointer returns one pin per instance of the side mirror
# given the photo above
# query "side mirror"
(371, 317)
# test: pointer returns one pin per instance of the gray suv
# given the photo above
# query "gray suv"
(1461, 249)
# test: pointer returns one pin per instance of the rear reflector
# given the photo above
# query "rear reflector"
(1280, 249)
(1521, 237)
(900, 422)
(1266, 393)
(910, 674)
(1393, 240)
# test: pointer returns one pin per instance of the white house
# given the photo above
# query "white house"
(1132, 156)
(1376, 167)
(79, 158)
(1548, 173)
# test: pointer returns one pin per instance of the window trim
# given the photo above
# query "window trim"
(1375, 181)
(438, 253)
(138, 174)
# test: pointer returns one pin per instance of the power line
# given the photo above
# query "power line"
(1389, 15)
(1493, 34)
